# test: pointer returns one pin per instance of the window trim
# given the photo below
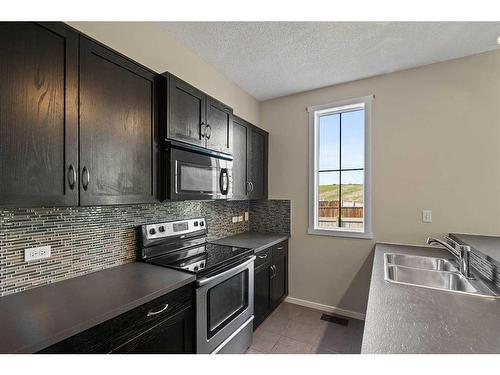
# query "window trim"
(314, 112)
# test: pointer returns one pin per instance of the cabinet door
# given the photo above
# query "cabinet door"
(220, 126)
(117, 128)
(38, 114)
(258, 147)
(187, 112)
(172, 336)
(240, 162)
(280, 275)
(262, 293)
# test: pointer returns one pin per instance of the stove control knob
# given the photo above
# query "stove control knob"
(202, 223)
(202, 265)
(152, 231)
(195, 223)
(196, 268)
(161, 229)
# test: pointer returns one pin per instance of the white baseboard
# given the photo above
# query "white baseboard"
(326, 308)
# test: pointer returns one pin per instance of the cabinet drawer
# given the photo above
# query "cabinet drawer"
(174, 335)
(263, 257)
(280, 250)
(132, 323)
(95, 340)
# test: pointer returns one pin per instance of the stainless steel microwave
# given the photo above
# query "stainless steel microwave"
(197, 173)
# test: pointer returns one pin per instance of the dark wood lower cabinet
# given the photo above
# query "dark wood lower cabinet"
(262, 293)
(171, 336)
(165, 325)
(270, 280)
(95, 340)
(279, 279)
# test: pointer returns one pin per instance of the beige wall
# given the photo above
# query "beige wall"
(436, 145)
(146, 43)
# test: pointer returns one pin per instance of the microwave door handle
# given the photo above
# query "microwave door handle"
(223, 181)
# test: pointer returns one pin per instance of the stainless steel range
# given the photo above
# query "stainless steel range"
(224, 281)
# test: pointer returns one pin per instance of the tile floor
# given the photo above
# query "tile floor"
(294, 329)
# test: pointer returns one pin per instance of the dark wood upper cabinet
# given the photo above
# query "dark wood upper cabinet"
(257, 170)
(240, 159)
(186, 112)
(196, 118)
(250, 157)
(38, 114)
(219, 130)
(117, 128)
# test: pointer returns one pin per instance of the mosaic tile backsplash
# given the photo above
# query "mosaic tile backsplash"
(270, 216)
(87, 239)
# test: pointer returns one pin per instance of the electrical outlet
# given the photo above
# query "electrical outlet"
(246, 215)
(427, 216)
(240, 219)
(235, 219)
(36, 253)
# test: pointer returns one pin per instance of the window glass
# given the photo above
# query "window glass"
(329, 142)
(353, 139)
(352, 193)
(328, 205)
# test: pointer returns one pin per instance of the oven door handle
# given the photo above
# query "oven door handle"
(228, 273)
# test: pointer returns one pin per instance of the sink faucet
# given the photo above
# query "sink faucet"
(462, 254)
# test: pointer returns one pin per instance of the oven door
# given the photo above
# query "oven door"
(199, 176)
(224, 304)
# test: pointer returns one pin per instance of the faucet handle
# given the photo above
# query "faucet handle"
(453, 243)
(465, 261)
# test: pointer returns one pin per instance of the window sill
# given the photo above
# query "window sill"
(340, 233)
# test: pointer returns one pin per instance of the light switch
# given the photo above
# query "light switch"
(235, 219)
(427, 216)
(246, 215)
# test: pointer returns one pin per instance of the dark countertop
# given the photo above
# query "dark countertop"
(40, 317)
(407, 319)
(489, 246)
(253, 240)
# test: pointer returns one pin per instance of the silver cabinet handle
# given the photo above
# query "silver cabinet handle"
(273, 270)
(153, 313)
(203, 129)
(85, 178)
(263, 256)
(279, 248)
(71, 177)
(248, 187)
(209, 131)
(251, 186)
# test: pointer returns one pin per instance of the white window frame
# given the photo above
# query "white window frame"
(314, 113)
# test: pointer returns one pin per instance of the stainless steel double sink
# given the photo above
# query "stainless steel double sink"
(433, 273)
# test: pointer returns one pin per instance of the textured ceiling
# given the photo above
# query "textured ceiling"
(272, 59)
